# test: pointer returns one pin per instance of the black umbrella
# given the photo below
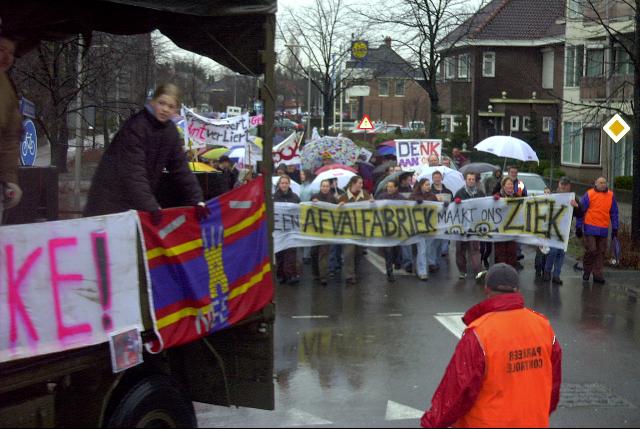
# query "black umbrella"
(478, 168)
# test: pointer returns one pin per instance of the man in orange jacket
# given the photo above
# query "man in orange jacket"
(600, 211)
(507, 368)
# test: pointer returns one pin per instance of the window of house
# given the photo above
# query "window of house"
(591, 147)
(400, 87)
(548, 65)
(489, 64)
(571, 143)
(515, 123)
(574, 8)
(446, 123)
(463, 66)
(595, 62)
(526, 123)
(449, 68)
(383, 88)
(623, 157)
(574, 63)
(547, 122)
(622, 62)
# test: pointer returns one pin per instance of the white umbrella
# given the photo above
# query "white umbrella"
(342, 175)
(508, 147)
(452, 179)
(295, 186)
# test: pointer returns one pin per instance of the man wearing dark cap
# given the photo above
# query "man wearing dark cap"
(507, 368)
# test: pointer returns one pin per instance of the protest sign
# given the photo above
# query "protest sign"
(541, 221)
(415, 153)
(288, 152)
(216, 132)
(66, 285)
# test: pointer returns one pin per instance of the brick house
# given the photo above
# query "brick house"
(503, 69)
(395, 97)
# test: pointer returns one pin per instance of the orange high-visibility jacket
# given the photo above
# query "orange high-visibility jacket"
(517, 387)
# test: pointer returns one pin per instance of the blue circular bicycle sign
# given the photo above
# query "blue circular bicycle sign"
(29, 146)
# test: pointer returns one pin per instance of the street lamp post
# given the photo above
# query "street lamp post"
(308, 88)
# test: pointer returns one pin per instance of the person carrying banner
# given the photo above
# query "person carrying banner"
(555, 258)
(10, 130)
(506, 251)
(229, 172)
(600, 211)
(425, 256)
(306, 177)
(491, 183)
(392, 254)
(320, 254)
(433, 160)
(472, 248)
(355, 193)
(444, 195)
(507, 368)
(287, 260)
(131, 169)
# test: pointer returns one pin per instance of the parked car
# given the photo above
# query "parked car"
(416, 125)
(385, 129)
(347, 127)
(534, 182)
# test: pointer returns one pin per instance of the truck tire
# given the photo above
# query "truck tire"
(155, 402)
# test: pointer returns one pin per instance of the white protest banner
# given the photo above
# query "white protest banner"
(287, 152)
(415, 153)
(68, 284)
(217, 132)
(540, 221)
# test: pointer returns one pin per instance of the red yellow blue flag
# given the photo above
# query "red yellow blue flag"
(206, 276)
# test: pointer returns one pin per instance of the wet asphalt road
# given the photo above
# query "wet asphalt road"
(371, 355)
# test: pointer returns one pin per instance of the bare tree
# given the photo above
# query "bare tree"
(428, 30)
(323, 30)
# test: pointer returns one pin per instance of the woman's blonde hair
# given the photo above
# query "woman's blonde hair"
(170, 90)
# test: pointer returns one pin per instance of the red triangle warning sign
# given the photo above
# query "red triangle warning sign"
(366, 123)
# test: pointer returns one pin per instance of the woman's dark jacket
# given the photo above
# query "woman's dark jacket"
(289, 197)
(131, 169)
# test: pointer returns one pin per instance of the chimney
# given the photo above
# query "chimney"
(387, 41)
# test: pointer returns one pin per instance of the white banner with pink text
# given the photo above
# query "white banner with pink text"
(66, 285)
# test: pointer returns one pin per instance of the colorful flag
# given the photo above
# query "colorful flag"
(207, 276)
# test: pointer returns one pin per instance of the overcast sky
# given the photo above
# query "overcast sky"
(282, 6)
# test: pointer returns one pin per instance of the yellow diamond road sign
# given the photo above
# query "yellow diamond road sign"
(616, 128)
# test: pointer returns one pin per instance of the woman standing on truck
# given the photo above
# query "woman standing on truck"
(131, 169)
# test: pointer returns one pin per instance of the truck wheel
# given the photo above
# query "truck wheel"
(155, 402)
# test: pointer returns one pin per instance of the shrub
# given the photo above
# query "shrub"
(624, 182)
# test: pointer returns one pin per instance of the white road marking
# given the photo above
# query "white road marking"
(396, 411)
(379, 263)
(453, 322)
(395, 315)
(310, 317)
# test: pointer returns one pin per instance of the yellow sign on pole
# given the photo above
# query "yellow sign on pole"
(616, 128)
(359, 49)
